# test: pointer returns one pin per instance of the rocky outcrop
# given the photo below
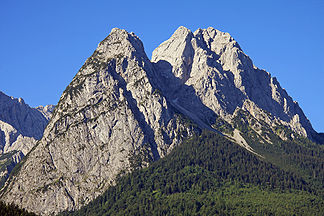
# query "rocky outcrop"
(122, 111)
(211, 65)
(26, 120)
(109, 120)
(20, 128)
(7, 163)
(46, 111)
(20, 125)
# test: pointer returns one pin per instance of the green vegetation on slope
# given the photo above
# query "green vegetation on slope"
(295, 154)
(208, 175)
(13, 210)
(6, 165)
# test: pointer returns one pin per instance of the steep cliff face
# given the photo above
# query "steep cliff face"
(20, 125)
(28, 121)
(122, 111)
(110, 119)
(20, 128)
(224, 79)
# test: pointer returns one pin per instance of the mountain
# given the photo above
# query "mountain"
(121, 112)
(20, 124)
(210, 64)
(20, 128)
(109, 119)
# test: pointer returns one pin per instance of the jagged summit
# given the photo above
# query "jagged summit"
(28, 121)
(122, 111)
(119, 41)
(181, 32)
(224, 78)
(20, 128)
(110, 119)
(20, 125)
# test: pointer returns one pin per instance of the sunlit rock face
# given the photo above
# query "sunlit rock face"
(211, 64)
(122, 111)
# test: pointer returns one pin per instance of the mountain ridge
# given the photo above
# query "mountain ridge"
(232, 74)
(20, 128)
(21, 122)
(96, 125)
(122, 111)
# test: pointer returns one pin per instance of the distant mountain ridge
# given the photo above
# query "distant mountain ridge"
(123, 111)
(20, 121)
(20, 128)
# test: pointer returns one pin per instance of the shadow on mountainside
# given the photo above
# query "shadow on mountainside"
(183, 97)
(138, 115)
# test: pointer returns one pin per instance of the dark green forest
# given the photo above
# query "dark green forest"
(296, 153)
(13, 210)
(210, 175)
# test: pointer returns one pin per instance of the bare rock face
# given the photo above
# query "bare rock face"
(122, 111)
(12, 140)
(20, 128)
(216, 69)
(20, 125)
(109, 120)
(7, 162)
(26, 120)
(46, 111)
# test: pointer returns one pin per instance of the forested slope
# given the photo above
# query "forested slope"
(209, 175)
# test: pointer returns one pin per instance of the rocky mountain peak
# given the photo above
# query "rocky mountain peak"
(223, 76)
(20, 128)
(182, 32)
(122, 111)
(176, 51)
(110, 119)
(20, 125)
(215, 40)
(120, 43)
(28, 121)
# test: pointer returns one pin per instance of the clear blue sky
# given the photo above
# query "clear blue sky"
(44, 43)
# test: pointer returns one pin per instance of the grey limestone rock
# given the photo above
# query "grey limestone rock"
(7, 162)
(109, 120)
(26, 120)
(46, 111)
(210, 64)
(20, 125)
(122, 111)
(20, 128)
